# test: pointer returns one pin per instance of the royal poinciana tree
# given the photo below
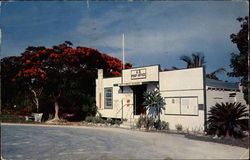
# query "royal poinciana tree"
(31, 74)
(59, 69)
(11, 91)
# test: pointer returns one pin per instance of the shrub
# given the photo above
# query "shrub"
(145, 121)
(149, 122)
(89, 119)
(164, 125)
(98, 119)
(47, 116)
(88, 110)
(11, 118)
(118, 122)
(141, 121)
(178, 127)
(24, 111)
(110, 121)
(154, 103)
(225, 119)
(160, 125)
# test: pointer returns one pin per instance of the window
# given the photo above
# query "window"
(108, 98)
(189, 106)
(181, 105)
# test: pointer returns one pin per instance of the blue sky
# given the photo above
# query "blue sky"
(155, 32)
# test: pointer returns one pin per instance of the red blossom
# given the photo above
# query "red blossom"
(27, 61)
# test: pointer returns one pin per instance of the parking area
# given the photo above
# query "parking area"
(41, 142)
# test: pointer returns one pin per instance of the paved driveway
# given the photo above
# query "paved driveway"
(65, 142)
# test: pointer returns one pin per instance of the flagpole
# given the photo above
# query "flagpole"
(123, 56)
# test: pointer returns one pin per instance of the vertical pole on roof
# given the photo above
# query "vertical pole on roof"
(123, 56)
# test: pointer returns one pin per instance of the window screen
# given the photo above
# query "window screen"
(108, 98)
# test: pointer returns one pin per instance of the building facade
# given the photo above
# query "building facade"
(187, 93)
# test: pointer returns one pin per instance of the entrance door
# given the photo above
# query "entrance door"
(139, 99)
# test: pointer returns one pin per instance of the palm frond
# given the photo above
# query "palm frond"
(188, 60)
(213, 75)
(196, 60)
(224, 119)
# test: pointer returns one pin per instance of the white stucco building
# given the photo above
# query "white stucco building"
(187, 93)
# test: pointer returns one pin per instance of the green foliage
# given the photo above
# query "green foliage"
(141, 121)
(89, 108)
(89, 119)
(213, 75)
(11, 118)
(110, 121)
(196, 60)
(146, 122)
(98, 119)
(118, 122)
(12, 92)
(154, 103)
(161, 125)
(94, 119)
(239, 62)
(178, 127)
(164, 125)
(225, 119)
(66, 76)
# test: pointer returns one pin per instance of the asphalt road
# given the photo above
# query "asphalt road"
(65, 142)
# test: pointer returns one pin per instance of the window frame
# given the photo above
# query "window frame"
(105, 98)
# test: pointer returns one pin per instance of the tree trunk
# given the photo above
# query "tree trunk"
(36, 94)
(36, 103)
(56, 117)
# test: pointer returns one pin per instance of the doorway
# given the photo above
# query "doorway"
(139, 99)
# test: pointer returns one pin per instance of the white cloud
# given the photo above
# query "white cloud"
(154, 28)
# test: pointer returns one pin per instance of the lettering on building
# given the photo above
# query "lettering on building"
(138, 74)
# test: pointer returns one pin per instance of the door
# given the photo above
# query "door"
(138, 91)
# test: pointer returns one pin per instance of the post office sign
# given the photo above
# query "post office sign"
(138, 74)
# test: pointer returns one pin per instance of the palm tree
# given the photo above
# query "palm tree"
(213, 75)
(196, 60)
(225, 119)
(154, 103)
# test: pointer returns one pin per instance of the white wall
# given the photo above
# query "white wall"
(186, 83)
(218, 96)
(119, 98)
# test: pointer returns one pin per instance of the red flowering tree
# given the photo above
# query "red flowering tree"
(114, 65)
(11, 91)
(32, 73)
(60, 67)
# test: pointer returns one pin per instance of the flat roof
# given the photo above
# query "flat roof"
(221, 84)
